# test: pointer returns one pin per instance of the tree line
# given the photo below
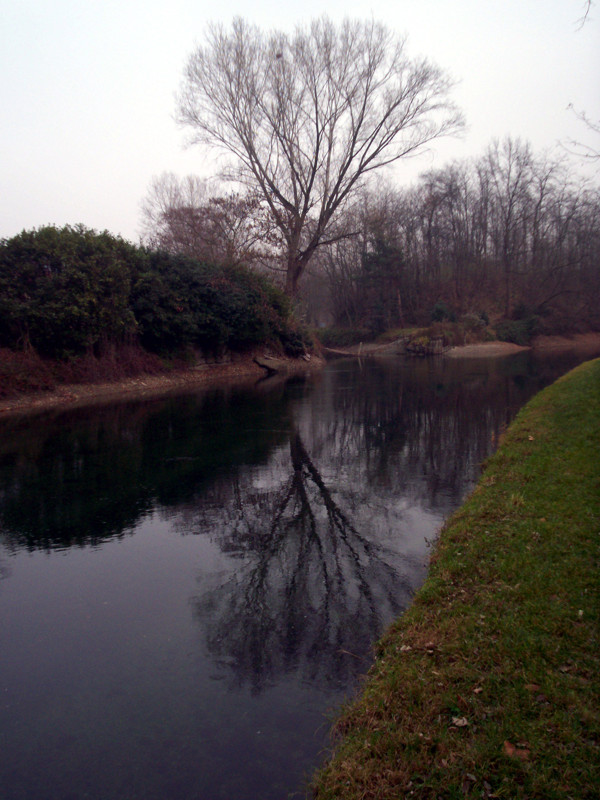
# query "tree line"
(306, 121)
(511, 236)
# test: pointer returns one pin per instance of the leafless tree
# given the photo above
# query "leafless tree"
(581, 149)
(184, 215)
(308, 117)
(511, 232)
(585, 15)
(167, 199)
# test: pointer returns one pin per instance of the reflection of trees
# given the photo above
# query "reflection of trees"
(90, 474)
(318, 525)
(421, 431)
(312, 592)
(323, 553)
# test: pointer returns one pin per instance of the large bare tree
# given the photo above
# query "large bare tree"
(309, 116)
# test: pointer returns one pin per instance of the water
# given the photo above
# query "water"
(189, 587)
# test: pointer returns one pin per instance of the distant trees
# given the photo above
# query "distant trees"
(511, 233)
(588, 152)
(185, 216)
(308, 117)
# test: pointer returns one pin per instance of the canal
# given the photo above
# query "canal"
(191, 586)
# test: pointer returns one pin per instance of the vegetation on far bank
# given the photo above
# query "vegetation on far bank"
(451, 330)
(488, 686)
(80, 305)
(509, 233)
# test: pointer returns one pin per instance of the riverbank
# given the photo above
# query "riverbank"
(242, 370)
(488, 686)
(245, 369)
(586, 343)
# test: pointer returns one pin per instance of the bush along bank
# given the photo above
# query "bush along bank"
(488, 686)
(71, 294)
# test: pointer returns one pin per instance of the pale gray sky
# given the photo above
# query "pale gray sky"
(87, 89)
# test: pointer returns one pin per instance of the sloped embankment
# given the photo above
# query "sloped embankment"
(488, 686)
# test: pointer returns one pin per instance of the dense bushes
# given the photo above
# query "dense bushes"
(179, 302)
(517, 331)
(72, 291)
(65, 291)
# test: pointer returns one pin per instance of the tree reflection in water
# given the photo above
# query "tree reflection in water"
(314, 500)
(321, 493)
(330, 536)
(312, 590)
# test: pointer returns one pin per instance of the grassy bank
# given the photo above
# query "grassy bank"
(488, 686)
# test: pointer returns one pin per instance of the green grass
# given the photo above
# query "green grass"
(488, 686)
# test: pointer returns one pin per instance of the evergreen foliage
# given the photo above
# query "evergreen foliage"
(70, 291)
(65, 291)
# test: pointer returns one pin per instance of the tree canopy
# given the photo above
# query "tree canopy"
(307, 117)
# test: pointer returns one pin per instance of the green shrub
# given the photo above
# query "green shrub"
(519, 331)
(441, 312)
(472, 322)
(452, 334)
(71, 292)
(180, 303)
(66, 290)
(295, 341)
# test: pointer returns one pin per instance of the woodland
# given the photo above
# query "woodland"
(510, 238)
(305, 230)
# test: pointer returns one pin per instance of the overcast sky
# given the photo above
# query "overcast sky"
(88, 86)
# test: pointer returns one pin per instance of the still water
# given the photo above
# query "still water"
(190, 586)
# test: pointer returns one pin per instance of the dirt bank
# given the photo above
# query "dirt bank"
(583, 343)
(246, 370)
(484, 350)
(243, 371)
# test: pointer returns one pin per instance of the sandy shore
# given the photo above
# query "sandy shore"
(484, 350)
(584, 343)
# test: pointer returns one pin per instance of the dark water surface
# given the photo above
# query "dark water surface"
(190, 586)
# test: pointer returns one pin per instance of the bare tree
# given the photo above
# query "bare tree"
(171, 200)
(585, 15)
(581, 149)
(182, 215)
(308, 117)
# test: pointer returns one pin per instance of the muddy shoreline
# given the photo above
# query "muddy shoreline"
(246, 371)
(582, 342)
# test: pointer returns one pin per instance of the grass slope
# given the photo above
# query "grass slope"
(488, 686)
